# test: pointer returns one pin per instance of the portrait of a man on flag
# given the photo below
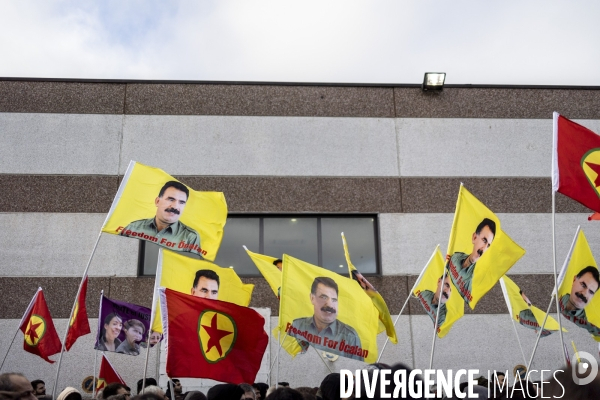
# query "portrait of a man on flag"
(323, 309)
(153, 206)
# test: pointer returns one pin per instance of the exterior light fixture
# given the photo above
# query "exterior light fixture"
(434, 81)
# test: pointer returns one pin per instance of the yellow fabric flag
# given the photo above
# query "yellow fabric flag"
(321, 308)
(385, 319)
(578, 285)
(479, 251)
(522, 311)
(151, 205)
(269, 271)
(429, 290)
(179, 272)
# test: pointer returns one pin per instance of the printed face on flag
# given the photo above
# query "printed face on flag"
(479, 252)
(438, 296)
(328, 311)
(153, 206)
(123, 327)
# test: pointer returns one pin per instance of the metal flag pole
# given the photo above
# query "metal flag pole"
(518, 340)
(541, 330)
(157, 279)
(562, 341)
(323, 359)
(8, 350)
(171, 387)
(94, 376)
(277, 359)
(437, 317)
(387, 339)
(62, 348)
(508, 305)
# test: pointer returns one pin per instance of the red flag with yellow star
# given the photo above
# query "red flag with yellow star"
(79, 324)
(37, 326)
(107, 374)
(576, 162)
(211, 339)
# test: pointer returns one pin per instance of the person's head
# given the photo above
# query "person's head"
(170, 202)
(525, 298)
(206, 284)
(225, 391)
(482, 238)
(248, 391)
(324, 298)
(330, 387)
(134, 330)
(70, 393)
(444, 290)
(39, 386)
(285, 393)
(499, 378)
(177, 388)
(154, 390)
(585, 285)
(278, 263)
(149, 382)
(113, 324)
(262, 388)
(17, 386)
(154, 337)
(113, 389)
(195, 395)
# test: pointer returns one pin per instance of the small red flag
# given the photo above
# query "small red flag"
(79, 324)
(576, 162)
(107, 374)
(211, 338)
(40, 335)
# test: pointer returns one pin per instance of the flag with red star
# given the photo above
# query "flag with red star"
(79, 324)
(107, 374)
(37, 326)
(211, 339)
(576, 162)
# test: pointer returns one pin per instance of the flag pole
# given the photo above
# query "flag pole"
(324, 362)
(387, 339)
(171, 387)
(94, 376)
(562, 341)
(157, 279)
(277, 359)
(62, 348)
(540, 332)
(8, 350)
(518, 340)
(509, 307)
(437, 317)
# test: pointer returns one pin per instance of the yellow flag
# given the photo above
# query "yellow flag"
(269, 271)
(522, 311)
(578, 285)
(428, 292)
(385, 319)
(151, 205)
(323, 309)
(479, 251)
(179, 272)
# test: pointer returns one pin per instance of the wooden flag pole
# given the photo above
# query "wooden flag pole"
(437, 317)
(62, 348)
(562, 341)
(406, 302)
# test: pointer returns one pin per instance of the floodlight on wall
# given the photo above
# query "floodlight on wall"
(434, 81)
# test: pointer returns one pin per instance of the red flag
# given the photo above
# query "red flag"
(79, 324)
(576, 162)
(107, 374)
(40, 335)
(211, 338)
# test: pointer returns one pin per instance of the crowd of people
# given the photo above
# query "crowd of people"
(15, 386)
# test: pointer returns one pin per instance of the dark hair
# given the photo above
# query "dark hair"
(37, 382)
(107, 320)
(208, 274)
(262, 388)
(592, 270)
(277, 261)
(174, 184)
(330, 387)
(134, 322)
(486, 222)
(285, 393)
(499, 373)
(149, 382)
(112, 389)
(324, 281)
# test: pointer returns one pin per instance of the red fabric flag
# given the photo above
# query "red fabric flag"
(40, 335)
(79, 324)
(211, 338)
(107, 374)
(576, 162)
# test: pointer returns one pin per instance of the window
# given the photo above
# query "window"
(312, 238)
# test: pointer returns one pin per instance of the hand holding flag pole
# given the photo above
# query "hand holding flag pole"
(435, 323)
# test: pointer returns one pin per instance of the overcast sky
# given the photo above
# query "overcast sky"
(547, 42)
